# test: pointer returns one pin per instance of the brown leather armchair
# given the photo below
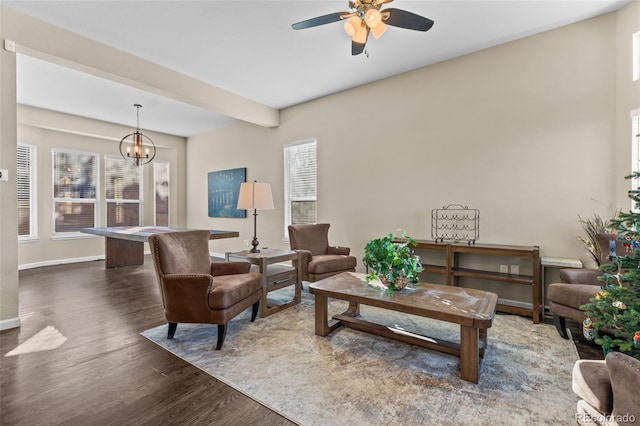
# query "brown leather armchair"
(576, 287)
(608, 390)
(196, 290)
(318, 259)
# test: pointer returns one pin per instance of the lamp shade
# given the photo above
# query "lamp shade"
(255, 196)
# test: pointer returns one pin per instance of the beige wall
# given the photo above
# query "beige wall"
(627, 96)
(525, 132)
(532, 133)
(8, 196)
(49, 130)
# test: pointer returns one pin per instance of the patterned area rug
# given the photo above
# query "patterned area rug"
(354, 378)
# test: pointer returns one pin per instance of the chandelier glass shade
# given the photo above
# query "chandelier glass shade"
(137, 146)
(373, 18)
(352, 25)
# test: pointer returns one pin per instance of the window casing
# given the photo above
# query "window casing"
(123, 194)
(300, 184)
(27, 197)
(75, 198)
(161, 189)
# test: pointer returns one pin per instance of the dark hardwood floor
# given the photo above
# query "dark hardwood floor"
(587, 349)
(106, 372)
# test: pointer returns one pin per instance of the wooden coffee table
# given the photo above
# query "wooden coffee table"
(472, 309)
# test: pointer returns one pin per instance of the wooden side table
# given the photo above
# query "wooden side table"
(274, 277)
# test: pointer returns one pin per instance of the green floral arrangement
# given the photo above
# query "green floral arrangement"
(393, 261)
(615, 311)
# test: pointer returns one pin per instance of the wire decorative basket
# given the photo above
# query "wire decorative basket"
(456, 223)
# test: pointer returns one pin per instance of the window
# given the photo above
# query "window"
(635, 56)
(300, 174)
(635, 152)
(122, 191)
(26, 178)
(75, 179)
(161, 185)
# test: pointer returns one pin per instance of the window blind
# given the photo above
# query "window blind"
(25, 178)
(161, 185)
(75, 177)
(300, 183)
(122, 191)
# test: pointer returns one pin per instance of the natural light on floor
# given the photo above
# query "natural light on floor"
(45, 340)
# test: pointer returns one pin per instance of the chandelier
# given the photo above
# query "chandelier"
(140, 148)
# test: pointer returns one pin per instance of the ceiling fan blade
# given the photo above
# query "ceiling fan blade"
(319, 20)
(358, 48)
(411, 21)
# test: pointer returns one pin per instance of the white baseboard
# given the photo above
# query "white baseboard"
(9, 323)
(515, 303)
(59, 262)
(217, 255)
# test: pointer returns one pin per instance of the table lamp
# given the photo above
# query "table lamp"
(255, 196)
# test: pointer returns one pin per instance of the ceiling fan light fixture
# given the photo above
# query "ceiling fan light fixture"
(379, 30)
(366, 16)
(373, 18)
(352, 25)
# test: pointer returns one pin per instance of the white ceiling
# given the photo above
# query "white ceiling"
(249, 48)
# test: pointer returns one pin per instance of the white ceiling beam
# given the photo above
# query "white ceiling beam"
(39, 39)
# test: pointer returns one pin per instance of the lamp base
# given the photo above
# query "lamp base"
(255, 244)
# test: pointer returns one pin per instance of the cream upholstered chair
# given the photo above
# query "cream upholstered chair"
(319, 259)
(608, 390)
(196, 290)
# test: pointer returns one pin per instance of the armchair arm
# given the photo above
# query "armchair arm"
(229, 268)
(580, 276)
(338, 250)
(624, 371)
(305, 257)
(185, 297)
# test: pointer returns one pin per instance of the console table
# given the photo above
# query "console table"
(450, 268)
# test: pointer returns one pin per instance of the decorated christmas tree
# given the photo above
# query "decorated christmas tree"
(615, 311)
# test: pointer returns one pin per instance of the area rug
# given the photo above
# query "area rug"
(354, 378)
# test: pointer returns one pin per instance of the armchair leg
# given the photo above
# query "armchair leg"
(222, 332)
(254, 310)
(172, 329)
(559, 322)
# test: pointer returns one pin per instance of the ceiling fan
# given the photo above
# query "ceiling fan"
(365, 16)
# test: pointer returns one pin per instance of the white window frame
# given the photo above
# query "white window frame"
(123, 200)
(33, 193)
(155, 175)
(287, 184)
(95, 201)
